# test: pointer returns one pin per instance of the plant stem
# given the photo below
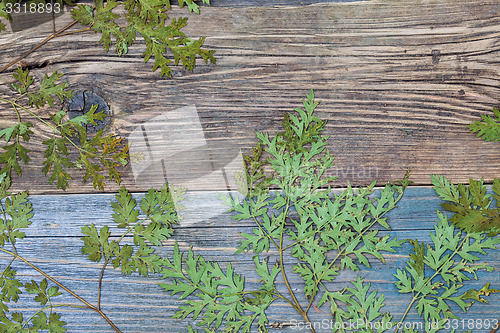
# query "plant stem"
(54, 129)
(282, 267)
(50, 307)
(100, 283)
(415, 296)
(72, 293)
(75, 31)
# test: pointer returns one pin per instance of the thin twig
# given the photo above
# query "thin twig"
(36, 47)
(283, 273)
(74, 32)
(100, 284)
(72, 293)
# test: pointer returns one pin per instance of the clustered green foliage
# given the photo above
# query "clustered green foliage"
(474, 209)
(435, 273)
(95, 154)
(489, 128)
(148, 223)
(149, 19)
(145, 18)
(298, 218)
(16, 213)
(324, 232)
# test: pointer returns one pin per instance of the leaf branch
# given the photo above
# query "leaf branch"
(69, 291)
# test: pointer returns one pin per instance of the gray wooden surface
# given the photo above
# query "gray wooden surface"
(398, 81)
(137, 304)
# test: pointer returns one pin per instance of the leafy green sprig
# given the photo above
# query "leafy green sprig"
(16, 212)
(148, 223)
(149, 20)
(473, 209)
(435, 273)
(489, 128)
(302, 218)
(297, 214)
(95, 154)
(145, 18)
(453, 256)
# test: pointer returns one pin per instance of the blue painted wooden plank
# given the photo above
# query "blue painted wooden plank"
(137, 304)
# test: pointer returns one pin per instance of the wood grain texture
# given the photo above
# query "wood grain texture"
(398, 84)
(138, 304)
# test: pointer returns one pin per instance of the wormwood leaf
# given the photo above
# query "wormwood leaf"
(99, 153)
(52, 323)
(25, 80)
(19, 130)
(268, 277)
(192, 5)
(476, 294)
(156, 226)
(363, 309)
(12, 156)
(213, 296)
(12, 326)
(96, 243)
(41, 320)
(42, 293)
(147, 18)
(471, 206)
(256, 181)
(124, 208)
(418, 257)
(15, 152)
(368, 305)
(49, 87)
(10, 287)
(435, 273)
(161, 205)
(489, 128)
(55, 324)
(17, 213)
(101, 19)
(56, 161)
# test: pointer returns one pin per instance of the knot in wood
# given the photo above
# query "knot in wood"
(82, 102)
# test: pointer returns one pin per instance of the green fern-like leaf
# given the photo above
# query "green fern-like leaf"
(471, 205)
(49, 87)
(489, 128)
(448, 262)
(214, 296)
(154, 227)
(149, 19)
(99, 156)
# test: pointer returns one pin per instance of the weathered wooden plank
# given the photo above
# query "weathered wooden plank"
(137, 304)
(398, 83)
